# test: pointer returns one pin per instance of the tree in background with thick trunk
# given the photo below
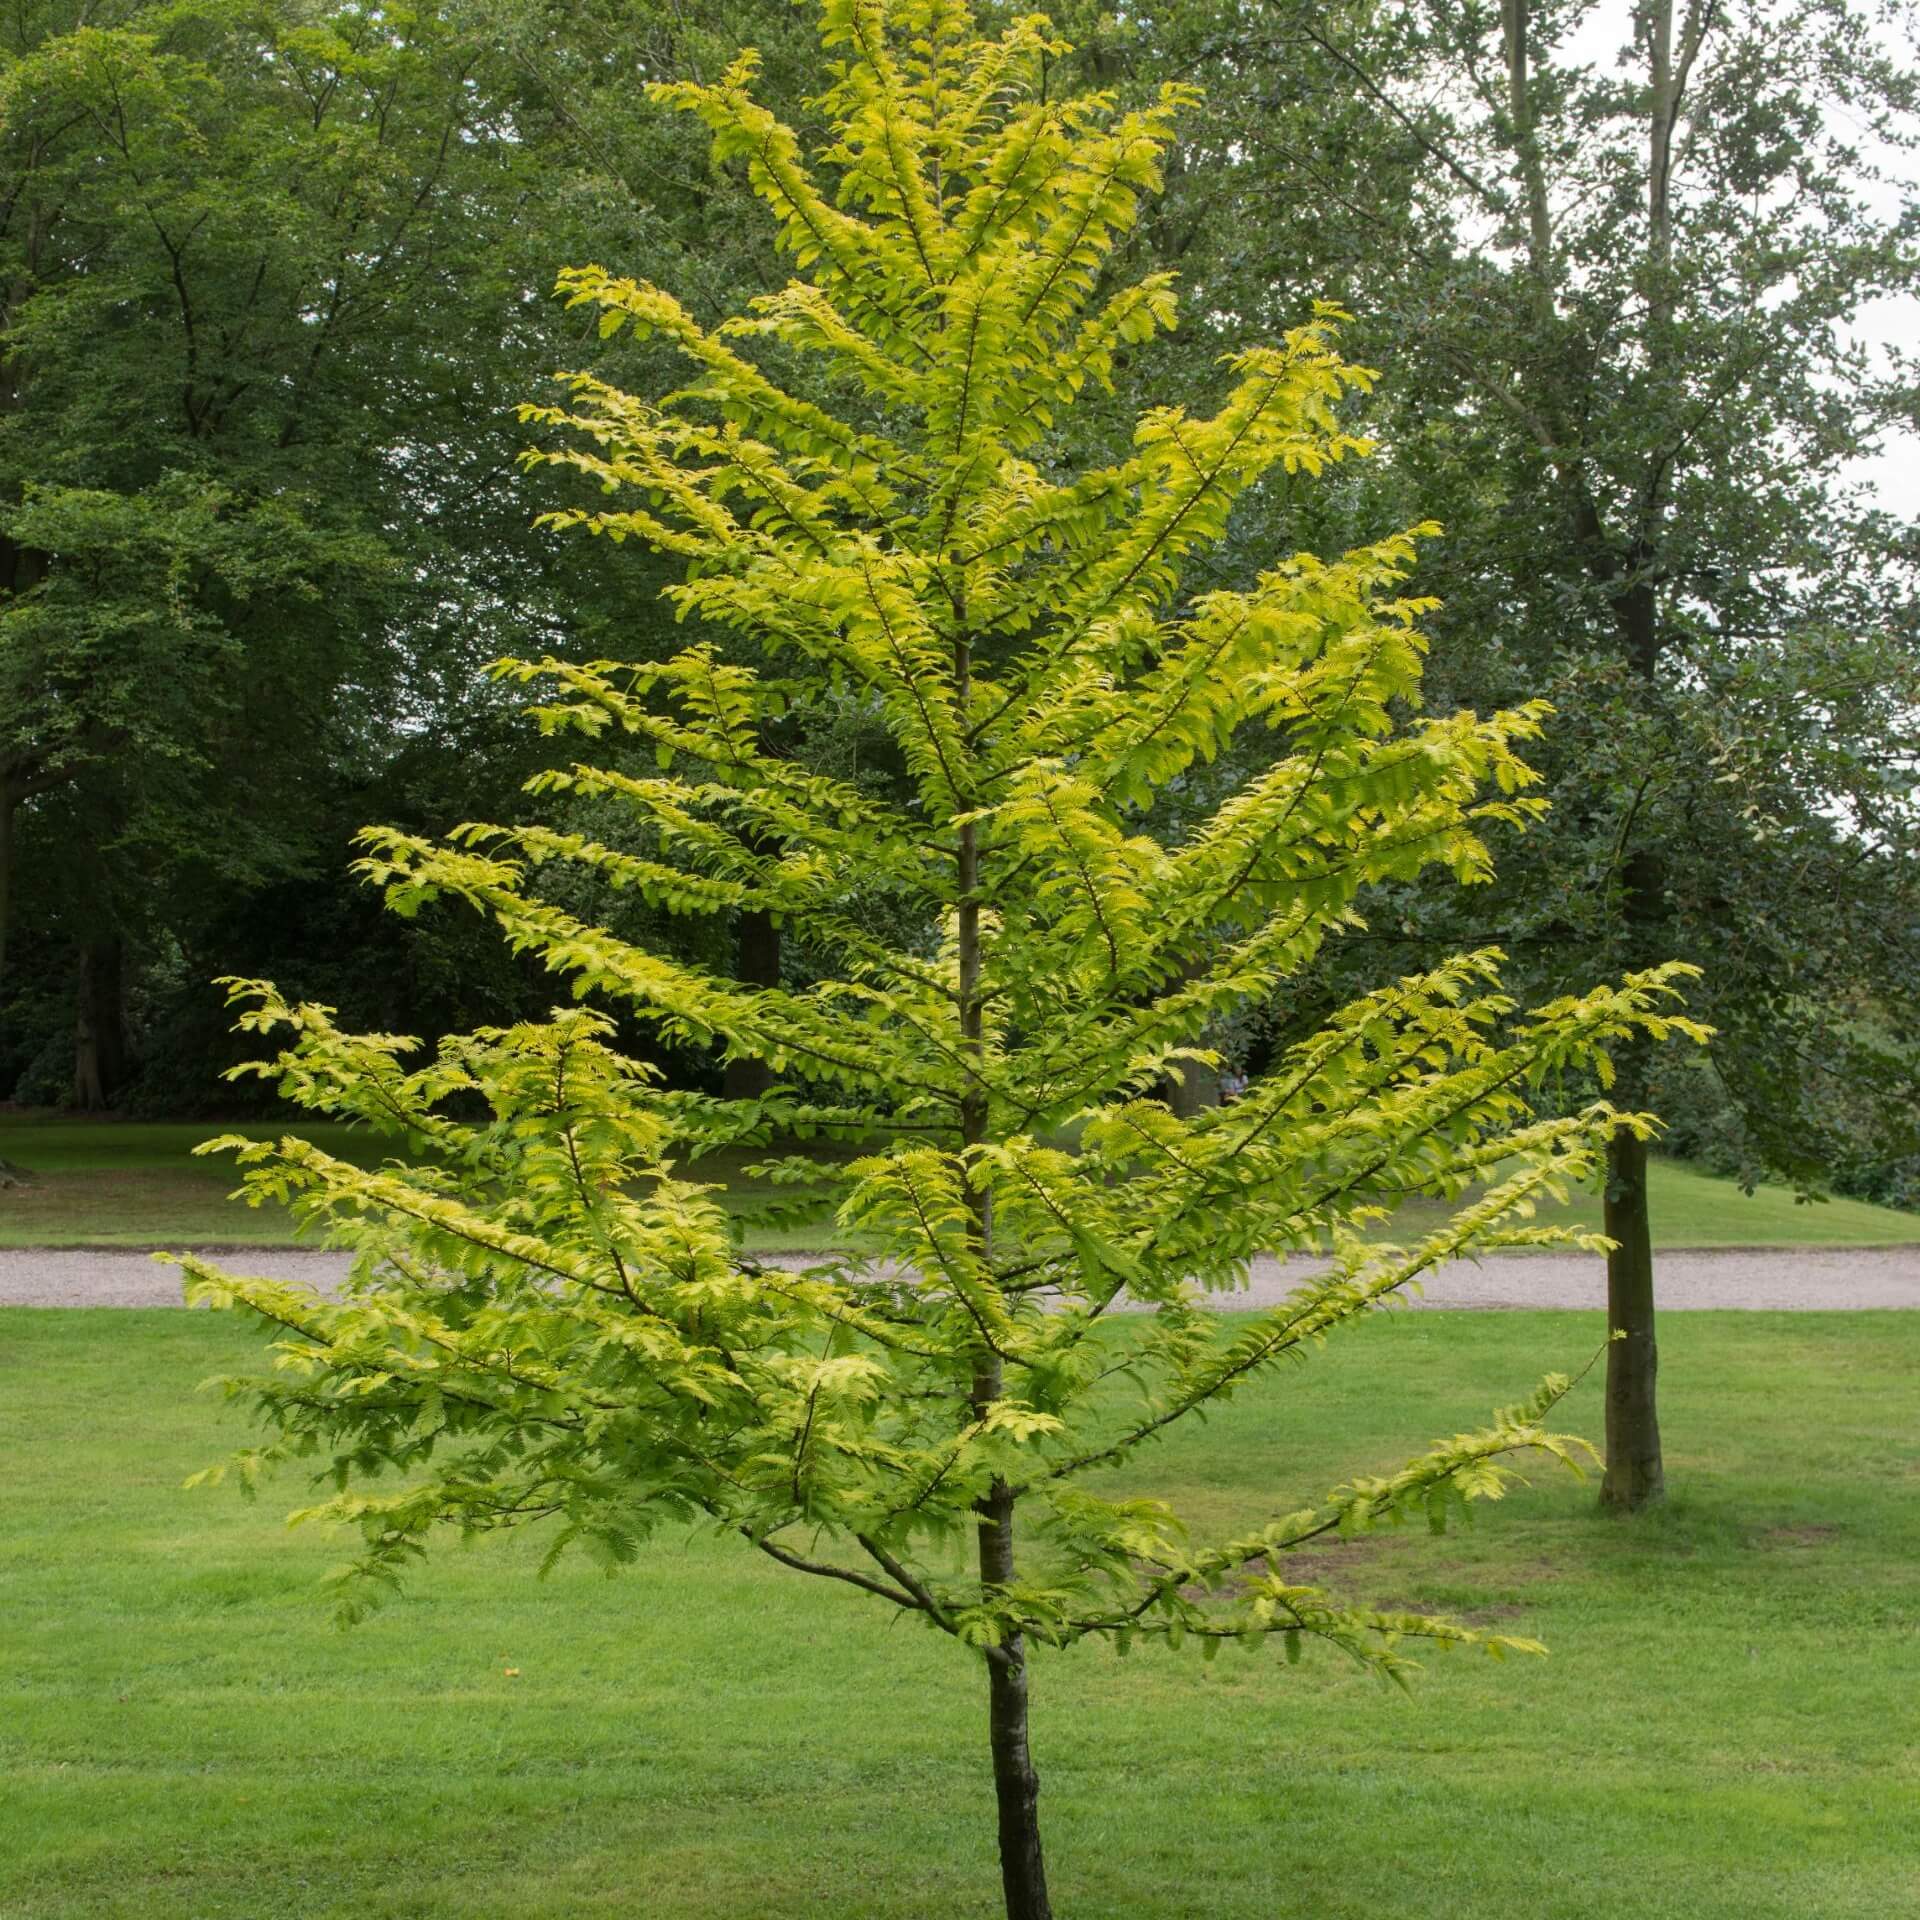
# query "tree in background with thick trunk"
(1691, 235)
(1619, 290)
(552, 1324)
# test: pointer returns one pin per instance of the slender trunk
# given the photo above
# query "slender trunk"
(1016, 1783)
(1626, 566)
(1191, 1087)
(757, 965)
(1023, 1867)
(99, 1034)
(1023, 1873)
(1663, 86)
(1634, 1474)
(1526, 149)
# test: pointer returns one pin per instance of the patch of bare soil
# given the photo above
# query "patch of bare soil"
(1490, 1615)
(1816, 1535)
(1330, 1561)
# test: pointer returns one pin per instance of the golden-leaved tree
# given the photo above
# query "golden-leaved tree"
(552, 1320)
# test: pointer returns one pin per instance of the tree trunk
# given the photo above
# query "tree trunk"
(1635, 1475)
(1023, 1873)
(99, 1036)
(1016, 1786)
(1636, 1472)
(1526, 147)
(1627, 565)
(757, 965)
(1191, 1088)
(1023, 1870)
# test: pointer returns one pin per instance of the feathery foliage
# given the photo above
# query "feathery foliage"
(552, 1321)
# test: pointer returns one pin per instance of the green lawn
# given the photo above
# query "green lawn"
(1694, 1209)
(1728, 1727)
(134, 1184)
(115, 1183)
(109, 1183)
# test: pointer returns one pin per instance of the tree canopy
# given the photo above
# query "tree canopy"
(551, 1321)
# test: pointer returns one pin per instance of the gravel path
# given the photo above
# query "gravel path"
(1769, 1278)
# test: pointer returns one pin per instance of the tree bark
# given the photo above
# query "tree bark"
(1016, 1785)
(1192, 1088)
(99, 1038)
(1635, 1475)
(757, 964)
(1023, 1873)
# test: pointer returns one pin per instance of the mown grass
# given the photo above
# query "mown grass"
(1727, 1728)
(1690, 1208)
(136, 1184)
(131, 1183)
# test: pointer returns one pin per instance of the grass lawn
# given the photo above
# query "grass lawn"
(1728, 1727)
(111, 1183)
(1694, 1209)
(134, 1184)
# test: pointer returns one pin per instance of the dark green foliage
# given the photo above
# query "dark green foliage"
(1628, 382)
(272, 280)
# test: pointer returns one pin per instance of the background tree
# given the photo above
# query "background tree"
(221, 226)
(549, 1321)
(1621, 298)
(275, 277)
